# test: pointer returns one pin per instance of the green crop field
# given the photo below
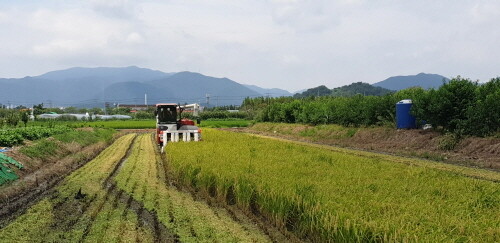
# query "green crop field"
(139, 124)
(115, 124)
(120, 124)
(225, 123)
(328, 195)
(16, 136)
(234, 187)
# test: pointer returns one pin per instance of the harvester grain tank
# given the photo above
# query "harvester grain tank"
(171, 128)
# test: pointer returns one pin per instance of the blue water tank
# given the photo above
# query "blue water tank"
(404, 119)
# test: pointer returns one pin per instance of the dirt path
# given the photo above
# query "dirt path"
(123, 196)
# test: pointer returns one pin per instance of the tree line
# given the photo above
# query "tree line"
(459, 106)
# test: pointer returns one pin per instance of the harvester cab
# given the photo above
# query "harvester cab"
(171, 128)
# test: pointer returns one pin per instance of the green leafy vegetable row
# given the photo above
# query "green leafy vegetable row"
(11, 137)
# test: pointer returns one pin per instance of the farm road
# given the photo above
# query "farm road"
(123, 196)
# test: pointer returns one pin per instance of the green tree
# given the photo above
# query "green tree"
(447, 107)
(38, 109)
(71, 109)
(25, 118)
(96, 110)
(13, 118)
(119, 111)
(144, 115)
(82, 110)
(484, 116)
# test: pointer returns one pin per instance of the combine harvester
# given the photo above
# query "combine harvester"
(171, 128)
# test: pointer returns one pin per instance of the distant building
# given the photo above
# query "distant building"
(134, 107)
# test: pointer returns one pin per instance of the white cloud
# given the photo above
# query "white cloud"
(135, 37)
(272, 43)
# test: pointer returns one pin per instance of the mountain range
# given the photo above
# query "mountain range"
(345, 91)
(92, 87)
(423, 80)
(386, 86)
(274, 92)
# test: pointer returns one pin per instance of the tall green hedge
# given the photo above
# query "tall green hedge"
(460, 106)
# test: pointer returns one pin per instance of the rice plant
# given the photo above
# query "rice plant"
(341, 196)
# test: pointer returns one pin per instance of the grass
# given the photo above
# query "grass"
(120, 124)
(114, 124)
(142, 124)
(330, 194)
(41, 149)
(86, 137)
(192, 221)
(225, 123)
(319, 132)
(44, 148)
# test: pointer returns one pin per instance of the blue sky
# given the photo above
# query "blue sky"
(291, 44)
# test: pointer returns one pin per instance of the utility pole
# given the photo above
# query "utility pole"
(146, 100)
(208, 99)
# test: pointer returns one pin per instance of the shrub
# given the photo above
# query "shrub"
(460, 106)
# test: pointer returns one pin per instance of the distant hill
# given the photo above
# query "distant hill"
(107, 74)
(359, 88)
(133, 93)
(271, 92)
(346, 90)
(193, 87)
(423, 80)
(91, 87)
(317, 91)
(299, 91)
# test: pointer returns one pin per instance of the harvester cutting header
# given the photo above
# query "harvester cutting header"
(171, 128)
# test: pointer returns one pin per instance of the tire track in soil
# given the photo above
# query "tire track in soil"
(128, 205)
(146, 218)
(109, 189)
(162, 175)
